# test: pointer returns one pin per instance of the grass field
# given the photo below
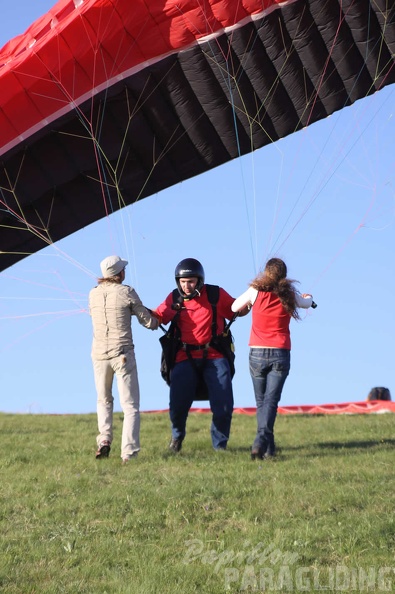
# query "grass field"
(318, 518)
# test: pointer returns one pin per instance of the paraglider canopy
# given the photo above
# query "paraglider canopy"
(106, 102)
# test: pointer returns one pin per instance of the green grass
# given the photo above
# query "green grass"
(201, 521)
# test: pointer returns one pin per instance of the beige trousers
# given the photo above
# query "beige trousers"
(125, 370)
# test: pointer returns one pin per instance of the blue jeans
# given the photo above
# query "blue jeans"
(184, 379)
(269, 369)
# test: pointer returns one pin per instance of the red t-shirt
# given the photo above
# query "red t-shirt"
(195, 320)
(270, 323)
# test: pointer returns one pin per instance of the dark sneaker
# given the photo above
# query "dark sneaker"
(269, 455)
(103, 450)
(175, 445)
(270, 451)
(257, 453)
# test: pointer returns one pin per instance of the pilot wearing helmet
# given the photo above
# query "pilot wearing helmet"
(197, 359)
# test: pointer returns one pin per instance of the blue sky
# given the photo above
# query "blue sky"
(322, 199)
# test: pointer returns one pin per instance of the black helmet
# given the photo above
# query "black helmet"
(186, 269)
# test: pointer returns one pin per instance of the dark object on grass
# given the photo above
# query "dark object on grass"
(379, 394)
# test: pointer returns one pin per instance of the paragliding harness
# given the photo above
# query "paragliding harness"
(171, 342)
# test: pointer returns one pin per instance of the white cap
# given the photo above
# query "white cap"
(112, 266)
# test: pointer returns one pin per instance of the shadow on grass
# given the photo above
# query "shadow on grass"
(339, 445)
(334, 445)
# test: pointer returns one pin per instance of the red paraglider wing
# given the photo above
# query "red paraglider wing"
(105, 102)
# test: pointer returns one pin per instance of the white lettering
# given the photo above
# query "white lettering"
(266, 579)
(302, 580)
(384, 584)
(285, 579)
(249, 579)
(195, 550)
(231, 576)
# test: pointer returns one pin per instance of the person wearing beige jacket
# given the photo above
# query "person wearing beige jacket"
(111, 306)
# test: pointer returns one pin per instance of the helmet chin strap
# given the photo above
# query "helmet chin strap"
(196, 293)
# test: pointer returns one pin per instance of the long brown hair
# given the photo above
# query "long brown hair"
(274, 280)
(117, 279)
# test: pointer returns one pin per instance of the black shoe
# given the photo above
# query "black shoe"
(269, 455)
(175, 445)
(270, 451)
(257, 454)
(103, 450)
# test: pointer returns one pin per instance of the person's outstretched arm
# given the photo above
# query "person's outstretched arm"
(245, 301)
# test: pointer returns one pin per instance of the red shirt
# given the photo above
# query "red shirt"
(270, 323)
(195, 320)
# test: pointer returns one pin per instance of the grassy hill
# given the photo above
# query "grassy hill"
(319, 517)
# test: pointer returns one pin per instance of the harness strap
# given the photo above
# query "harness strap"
(195, 347)
(213, 296)
(191, 347)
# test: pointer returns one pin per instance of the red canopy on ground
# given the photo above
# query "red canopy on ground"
(375, 406)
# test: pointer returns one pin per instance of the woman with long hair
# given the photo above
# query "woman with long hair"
(274, 301)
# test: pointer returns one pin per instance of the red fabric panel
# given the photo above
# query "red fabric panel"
(70, 51)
